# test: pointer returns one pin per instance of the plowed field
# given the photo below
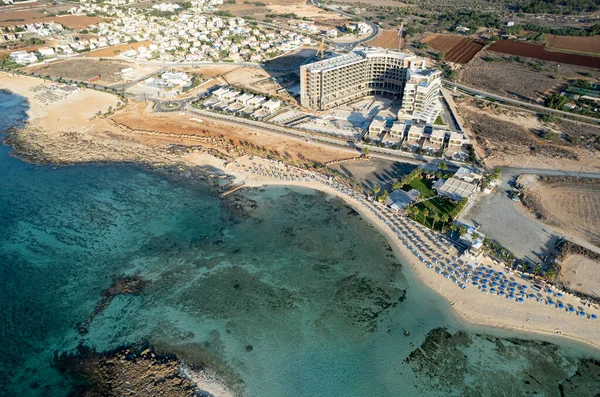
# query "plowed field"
(575, 43)
(457, 49)
(540, 52)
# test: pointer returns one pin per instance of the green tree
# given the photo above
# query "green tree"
(366, 151)
(436, 218)
(462, 230)
(396, 185)
(556, 101)
(440, 56)
(425, 213)
(443, 166)
(376, 190)
(444, 218)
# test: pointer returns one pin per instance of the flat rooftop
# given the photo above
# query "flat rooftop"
(355, 56)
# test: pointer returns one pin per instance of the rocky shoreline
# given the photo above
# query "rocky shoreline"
(126, 370)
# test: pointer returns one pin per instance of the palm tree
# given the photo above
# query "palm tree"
(415, 212)
(445, 218)
(396, 185)
(425, 215)
(436, 218)
(376, 190)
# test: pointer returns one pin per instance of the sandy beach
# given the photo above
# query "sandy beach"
(63, 132)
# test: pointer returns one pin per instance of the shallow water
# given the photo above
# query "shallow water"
(313, 289)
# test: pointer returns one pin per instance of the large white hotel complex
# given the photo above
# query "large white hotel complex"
(373, 71)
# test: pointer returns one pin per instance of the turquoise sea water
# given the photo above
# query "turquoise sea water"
(300, 277)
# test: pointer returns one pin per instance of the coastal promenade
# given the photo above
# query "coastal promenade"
(487, 294)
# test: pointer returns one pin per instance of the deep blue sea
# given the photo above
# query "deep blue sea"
(297, 275)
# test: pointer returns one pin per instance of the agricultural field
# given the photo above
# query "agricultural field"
(540, 52)
(387, 39)
(82, 69)
(456, 48)
(521, 78)
(589, 45)
(15, 18)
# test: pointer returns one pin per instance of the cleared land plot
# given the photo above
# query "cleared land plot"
(136, 118)
(387, 39)
(508, 139)
(581, 274)
(116, 50)
(83, 69)
(520, 78)
(540, 52)
(23, 17)
(574, 43)
(572, 204)
(457, 49)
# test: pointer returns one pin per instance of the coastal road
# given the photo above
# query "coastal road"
(530, 106)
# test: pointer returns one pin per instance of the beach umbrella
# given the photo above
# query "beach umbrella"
(483, 286)
(500, 273)
(515, 284)
(582, 313)
(502, 286)
(492, 270)
(522, 292)
(493, 290)
(511, 289)
(476, 278)
(484, 268)
(511, 296)
(480, 273)
(561, 306)
(502, 293)
(520, 299)
(593, 317)
(559, 295)
(475, 284)
(531, 296)
(550, 302)
(571, 309)
(523, 286)
(549, 291)
(494, 283)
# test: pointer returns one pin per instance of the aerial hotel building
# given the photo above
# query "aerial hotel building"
(372, 71)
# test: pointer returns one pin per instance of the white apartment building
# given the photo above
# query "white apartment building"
(372, 71)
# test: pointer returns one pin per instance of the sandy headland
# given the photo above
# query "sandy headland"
(68, 131)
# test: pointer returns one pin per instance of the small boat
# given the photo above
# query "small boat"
(406, 333)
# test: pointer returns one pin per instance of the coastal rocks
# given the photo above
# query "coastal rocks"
(234, 292)
(363, 301)
(121, 286)
(126, 371)
(469, 364)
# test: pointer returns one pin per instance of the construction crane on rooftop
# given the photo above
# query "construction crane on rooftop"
(321, 48)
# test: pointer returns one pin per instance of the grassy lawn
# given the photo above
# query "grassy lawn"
(435, 205)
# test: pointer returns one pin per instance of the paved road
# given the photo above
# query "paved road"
(525, 105)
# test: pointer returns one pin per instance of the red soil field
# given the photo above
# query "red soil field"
(540, 52)
(575, 43)
(457, 49)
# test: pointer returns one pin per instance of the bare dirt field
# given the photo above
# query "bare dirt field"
(293, 60)
(442, 42)
(23, 17)
(136, 118)
(574, 43)
(539, 52)
(82, 69)
(526, 79)
(571, 204)
(298, 7)
(508, 138)
(387, 39)
(457, 49)
(581, 274)
(115, 50)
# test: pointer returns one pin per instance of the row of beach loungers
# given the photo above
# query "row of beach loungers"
(431, 248)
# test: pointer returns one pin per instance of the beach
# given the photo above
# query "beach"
(67, 131)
